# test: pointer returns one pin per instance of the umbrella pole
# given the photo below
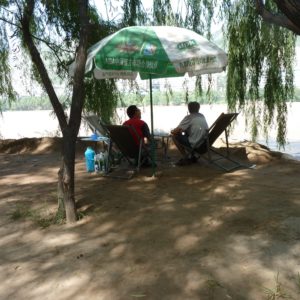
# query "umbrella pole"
(152, 130)
(151, 106)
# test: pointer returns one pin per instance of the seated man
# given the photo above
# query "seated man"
(141, 129)
(190, 132)
(139, 125)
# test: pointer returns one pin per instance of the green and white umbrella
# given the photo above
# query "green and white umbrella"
(153, 52)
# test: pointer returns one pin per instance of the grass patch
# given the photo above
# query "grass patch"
(41, 217)
(20, 213)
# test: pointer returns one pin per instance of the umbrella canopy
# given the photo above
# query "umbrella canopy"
(153, 52)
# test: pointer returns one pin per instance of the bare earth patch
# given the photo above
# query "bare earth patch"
(193, 232)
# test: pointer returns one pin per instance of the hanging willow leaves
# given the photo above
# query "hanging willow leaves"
(134, 13)
(163, 13)
(7, 92)
(103, 98)
(260, 55)
(260, 76)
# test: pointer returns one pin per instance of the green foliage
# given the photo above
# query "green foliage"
(63, 15)
(162, 13)
(260, 75)
(55, 25)
(133, 13)
(28, 103)
(101, 98)
(259, 53)
(199, 16)
(6, 88)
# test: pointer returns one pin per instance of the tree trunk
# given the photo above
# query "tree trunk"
(288, 19)
(291, 9)
(66, 174)
(61, 211)
(67, 177)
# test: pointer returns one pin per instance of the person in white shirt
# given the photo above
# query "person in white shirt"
(190, 133)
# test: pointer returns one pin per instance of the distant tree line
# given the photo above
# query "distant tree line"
(28, 103)
(125, 99)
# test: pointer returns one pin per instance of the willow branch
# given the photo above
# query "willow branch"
(9, 11)
(38, 62)
(52, 46)
(9, 22)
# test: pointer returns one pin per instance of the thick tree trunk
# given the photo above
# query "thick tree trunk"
(61, 211)
(66, 175)
(289, 18)
(66, 178)
(291, 9)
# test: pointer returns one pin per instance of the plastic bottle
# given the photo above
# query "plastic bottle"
(89, 159)
(101, 160)
(96, 163)
(105, 161)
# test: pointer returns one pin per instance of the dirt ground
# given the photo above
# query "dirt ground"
(192, 232)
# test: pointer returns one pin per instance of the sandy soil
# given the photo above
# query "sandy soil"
(192, 232)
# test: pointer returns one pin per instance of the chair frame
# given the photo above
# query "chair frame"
(95, 124)
(213, 133)
(140, 148)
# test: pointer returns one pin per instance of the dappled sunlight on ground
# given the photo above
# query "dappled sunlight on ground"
(193, 233)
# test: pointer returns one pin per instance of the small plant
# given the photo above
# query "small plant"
(81, 215)
(277, 292)
(212, 285)
(20, 213)
(298, 282)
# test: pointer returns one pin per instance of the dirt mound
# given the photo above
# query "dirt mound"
(249, 151)
(39, 145)
(245, 151)
(254, 152)
(30, 145)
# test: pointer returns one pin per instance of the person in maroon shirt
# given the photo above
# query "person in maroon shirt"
(139, 125)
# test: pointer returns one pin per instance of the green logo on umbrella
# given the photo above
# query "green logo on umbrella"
(128, 48)
(197, 61)
(149, 49)
(187, 45)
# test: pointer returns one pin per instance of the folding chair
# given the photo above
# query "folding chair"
(122, 137)
(216, 129)
(95, 124)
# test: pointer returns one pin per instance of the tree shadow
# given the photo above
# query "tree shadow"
(192, 233)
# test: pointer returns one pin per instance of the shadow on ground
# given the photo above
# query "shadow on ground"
(191, 233)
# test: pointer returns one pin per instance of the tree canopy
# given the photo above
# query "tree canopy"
(259, 37)
(55, 30)
(260, 40)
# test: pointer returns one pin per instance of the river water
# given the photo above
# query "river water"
(19, 124)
